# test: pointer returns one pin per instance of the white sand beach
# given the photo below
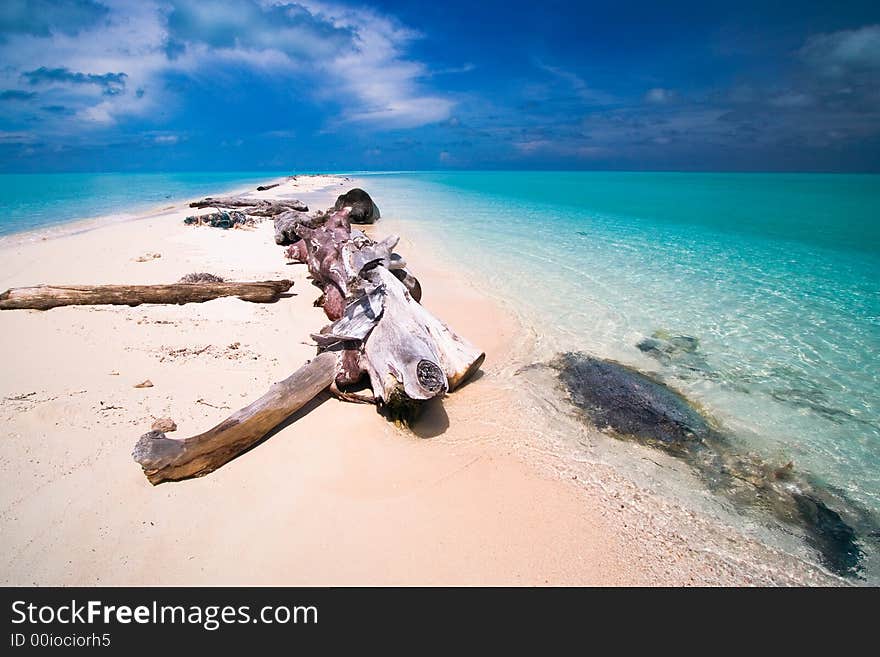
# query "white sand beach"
(339, 496)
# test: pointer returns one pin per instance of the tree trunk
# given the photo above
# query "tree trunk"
(257, 207)
(167, 459)
(43, 297)
(409, 355)
(378, 328)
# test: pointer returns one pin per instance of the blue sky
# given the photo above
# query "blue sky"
(143, 85)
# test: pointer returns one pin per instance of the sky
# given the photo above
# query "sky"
(246, 85)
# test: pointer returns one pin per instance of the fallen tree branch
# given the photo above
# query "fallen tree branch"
(44, 297)
(167, 459)
(378, 329)
(257, 207)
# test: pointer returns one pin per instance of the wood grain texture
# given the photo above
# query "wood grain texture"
(166, 459)
(44, 297)
(256, 207)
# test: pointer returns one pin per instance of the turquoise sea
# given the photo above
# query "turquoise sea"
(776, 276)
(29, 201)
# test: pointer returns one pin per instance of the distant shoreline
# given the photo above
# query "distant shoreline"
(123, 210)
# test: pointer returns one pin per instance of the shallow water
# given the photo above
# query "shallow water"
(29, 201)
(777, 276)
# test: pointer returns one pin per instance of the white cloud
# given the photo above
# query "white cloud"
(577, 84)
(568, 149)
(467, 67)
(841, 52)
(353, 56)
(384, 83)
(792, 99)
(659, 96)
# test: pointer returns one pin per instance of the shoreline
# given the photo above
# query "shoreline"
(472, 496)
(83, 224)
(652, 505)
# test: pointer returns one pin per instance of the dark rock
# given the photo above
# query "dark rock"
(363, 210)
(635, 405)
(631, 403)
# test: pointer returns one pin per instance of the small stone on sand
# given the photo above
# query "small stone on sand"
(145, 384)
(147, 257)
(164, 424)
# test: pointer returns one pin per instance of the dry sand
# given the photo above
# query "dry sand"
(339, 496)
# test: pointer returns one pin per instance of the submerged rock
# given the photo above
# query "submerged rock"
(635, 405)
(631, 403)
(829, 534)
(363, 210)
(674, 350)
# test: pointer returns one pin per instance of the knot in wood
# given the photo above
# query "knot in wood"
(430, 376)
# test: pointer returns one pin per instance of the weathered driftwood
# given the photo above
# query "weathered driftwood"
(410, 282)
(43, 297)
(287, 222)
(378, 329)
(256, 207)
(167, 459)
(263, 188)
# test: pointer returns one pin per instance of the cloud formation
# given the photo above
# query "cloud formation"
(844, 52)
(111, 83)
(16, 94)
(42, 18)
(330, 84)
(140, 56)
(824, 104)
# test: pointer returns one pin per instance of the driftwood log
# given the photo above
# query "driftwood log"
(44, 297)
(380, 336)
(167, 459)
(379, 328)
(253, 206)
